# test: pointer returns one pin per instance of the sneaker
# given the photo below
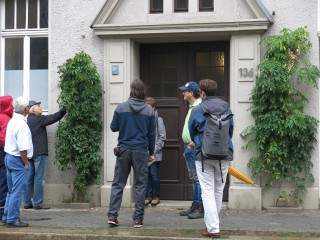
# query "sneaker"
(40, 207)
(28, 206)
(197, 213)
(17, 224)
(138, 224)
(155, 201)
(147, 201)
(205, 233)
(187, 212)
(113, 222)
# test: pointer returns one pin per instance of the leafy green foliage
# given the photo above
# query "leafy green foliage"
(283, 135)
(79, 134)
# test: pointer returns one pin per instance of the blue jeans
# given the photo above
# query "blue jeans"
(153, 189)
(36, 181)
(191, 166)
(3, 182)
(17, 176)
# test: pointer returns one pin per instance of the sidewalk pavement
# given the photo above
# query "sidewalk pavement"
(162, 222)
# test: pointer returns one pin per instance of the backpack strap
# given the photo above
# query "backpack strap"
(220, 171)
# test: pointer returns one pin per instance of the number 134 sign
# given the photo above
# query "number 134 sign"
(246, 72)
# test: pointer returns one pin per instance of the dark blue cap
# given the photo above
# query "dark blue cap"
(191, 86)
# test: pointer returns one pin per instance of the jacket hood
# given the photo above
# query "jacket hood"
(214, 105)
(6, 106)
(137, 105)
(156, 115)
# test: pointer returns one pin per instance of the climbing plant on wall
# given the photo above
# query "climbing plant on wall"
(79, 134)
(283, 136)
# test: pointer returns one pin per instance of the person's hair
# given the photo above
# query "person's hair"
(209, 87)
(196, 94)
(151, 101)
(137, 89)
(20, 103)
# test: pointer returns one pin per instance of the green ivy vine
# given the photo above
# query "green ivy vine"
(283, 136)
(79, 134)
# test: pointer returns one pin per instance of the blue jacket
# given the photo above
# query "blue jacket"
(135, 122)
(197, 121)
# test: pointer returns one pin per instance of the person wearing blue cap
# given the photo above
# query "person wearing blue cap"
(191, 94)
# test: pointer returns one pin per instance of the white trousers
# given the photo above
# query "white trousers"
(212, 190)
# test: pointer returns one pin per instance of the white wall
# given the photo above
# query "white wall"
(294, 14)
(69, 33)
(137, 12)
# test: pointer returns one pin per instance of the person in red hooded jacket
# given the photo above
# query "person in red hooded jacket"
(6, 111)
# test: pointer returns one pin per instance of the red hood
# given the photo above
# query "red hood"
(6, 106)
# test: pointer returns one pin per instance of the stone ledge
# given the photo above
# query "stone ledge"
(284, 209)
(72, 205)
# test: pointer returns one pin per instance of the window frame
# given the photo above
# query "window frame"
(176, 9)
(153, 10)
(26, 34)
(206, 9)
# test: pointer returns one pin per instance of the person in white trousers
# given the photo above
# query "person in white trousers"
(211, 173)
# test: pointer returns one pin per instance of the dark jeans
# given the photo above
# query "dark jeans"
(139, 162)
(191, 166)
(3, 182)
(153, 189)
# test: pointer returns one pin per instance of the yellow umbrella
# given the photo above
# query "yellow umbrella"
(232, 171)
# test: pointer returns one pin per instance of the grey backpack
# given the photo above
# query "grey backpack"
(215, 136)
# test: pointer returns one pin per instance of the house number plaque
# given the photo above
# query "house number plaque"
(245, 72)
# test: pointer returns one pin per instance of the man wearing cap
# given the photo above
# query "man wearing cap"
(191, 93)
(37, 124)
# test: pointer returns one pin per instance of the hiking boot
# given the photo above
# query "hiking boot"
(155, 201)
(197, 213)
(147, 201)
(187, 212)
(138, 224)
(113, 222)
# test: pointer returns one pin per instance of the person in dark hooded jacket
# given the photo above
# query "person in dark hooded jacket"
(212, 175)
(6, 111)
(135, 122)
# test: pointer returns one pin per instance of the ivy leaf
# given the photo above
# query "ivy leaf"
(79, 134)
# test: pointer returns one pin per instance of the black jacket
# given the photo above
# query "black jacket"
(37, 125)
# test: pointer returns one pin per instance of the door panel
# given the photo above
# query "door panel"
(164, 68)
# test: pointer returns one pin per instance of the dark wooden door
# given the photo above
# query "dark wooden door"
(164, 68)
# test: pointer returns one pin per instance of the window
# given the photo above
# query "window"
(181, 5)
(24, 45)
(205, 5)
(156, 6)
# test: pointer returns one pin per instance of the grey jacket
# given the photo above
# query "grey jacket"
(160, 138)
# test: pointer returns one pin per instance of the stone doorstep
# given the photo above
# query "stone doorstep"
(71, 205)
(164, 203)
(284, 209)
